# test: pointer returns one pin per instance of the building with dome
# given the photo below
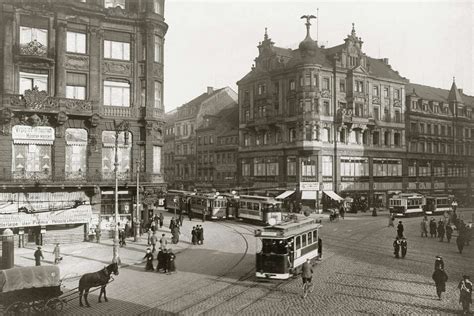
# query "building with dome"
(326, 122)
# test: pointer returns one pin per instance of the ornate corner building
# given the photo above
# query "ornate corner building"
(318, 120)
(81, 92)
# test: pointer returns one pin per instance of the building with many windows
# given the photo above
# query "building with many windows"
(317, 119)
(181, 130)
(81, 94)
(440, 141)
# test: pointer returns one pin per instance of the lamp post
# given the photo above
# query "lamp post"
(121, 127)
(136, 235)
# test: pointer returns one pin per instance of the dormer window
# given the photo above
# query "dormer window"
(114, 4)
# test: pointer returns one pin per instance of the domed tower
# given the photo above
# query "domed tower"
(308, 47)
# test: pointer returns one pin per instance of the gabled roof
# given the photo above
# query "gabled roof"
(379, 69)
(454, 94)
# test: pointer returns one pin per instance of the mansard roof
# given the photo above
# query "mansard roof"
(437, 94)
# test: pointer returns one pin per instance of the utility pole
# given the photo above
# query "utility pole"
(137, 217)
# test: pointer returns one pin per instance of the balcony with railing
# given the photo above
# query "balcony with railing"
(118, 111)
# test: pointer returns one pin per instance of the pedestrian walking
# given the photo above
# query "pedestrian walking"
(440, 230)
(163, 242)
(171, 265)
(204, 215)
(57, 254)
(153, 226)
(154, 240)
(440, 278)
(200, 235)
(404, 246)
(161, 220)
(161, 261)
(175, 234)
(396, 247)
(149, 234)
(433, 228)
(97, 234)
(122, 236)
(460, 242)
(439, 263)
(465, 294)
(391, 219)
(190, 214)
(449, 232)
(320, 248)
(342, 210)
(127, 230)
(424, 228)
(194, 236)
(400, 229)
(181, 218)
(172, 223)
(454, 205)
(166, 261)
(149, 260)
(38, 256)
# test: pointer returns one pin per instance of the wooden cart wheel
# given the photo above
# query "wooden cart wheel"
(17, 308)
(38, 306)
(54, 304)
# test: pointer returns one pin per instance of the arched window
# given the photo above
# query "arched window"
(76, 153)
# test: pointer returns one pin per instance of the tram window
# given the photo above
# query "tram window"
(298, 242)
(249, 205)
(310, 238)
(303, 238)
(255, 206)
(315, 235)
(276, 246)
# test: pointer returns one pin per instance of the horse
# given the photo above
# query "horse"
(99, 278)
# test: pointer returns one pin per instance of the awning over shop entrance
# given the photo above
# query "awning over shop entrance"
(308, 195)
(333, 195)
(285, 194)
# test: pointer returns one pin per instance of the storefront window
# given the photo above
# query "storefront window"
(354, 167)
(309, 168)
(76, 153)
(124, 153)
(31, 152)
(387, 167)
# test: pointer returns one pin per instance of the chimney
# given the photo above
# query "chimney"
(210, 90)
(460, 91)
(385, 61)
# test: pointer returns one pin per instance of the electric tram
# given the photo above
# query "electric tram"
(262, 209)
(232, 204)
(176, 200)
(406, 204)
(212, 204)
(286, 246)
(437, 204)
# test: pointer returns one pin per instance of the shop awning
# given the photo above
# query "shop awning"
(333, 195)
(308, 195)
(285, 194)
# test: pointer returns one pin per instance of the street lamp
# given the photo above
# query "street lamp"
(136, 235)
(121, 127)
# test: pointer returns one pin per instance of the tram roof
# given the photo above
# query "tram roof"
(289, 228)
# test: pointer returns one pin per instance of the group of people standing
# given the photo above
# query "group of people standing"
(166, 261)
(197, 235)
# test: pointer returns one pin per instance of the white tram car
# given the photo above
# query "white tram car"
(406, 204)
(262, 209)
(286, 246)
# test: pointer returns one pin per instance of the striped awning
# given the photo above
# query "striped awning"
(285, 194)
(32, 142)
(333, 195)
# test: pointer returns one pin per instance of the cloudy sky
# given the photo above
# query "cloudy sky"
(213, 43)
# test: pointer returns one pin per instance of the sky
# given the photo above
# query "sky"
(214, 43)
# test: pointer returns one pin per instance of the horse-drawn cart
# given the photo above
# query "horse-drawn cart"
(27, 289)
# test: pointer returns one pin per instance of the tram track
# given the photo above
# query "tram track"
(219, 278)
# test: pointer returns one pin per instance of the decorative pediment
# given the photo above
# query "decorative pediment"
(112, 67)
(360, 70)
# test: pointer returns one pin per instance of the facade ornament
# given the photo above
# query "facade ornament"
(6, 119)
(117, 68)
(61, 118)
(95, 120)
(33, 48)
(325, 94)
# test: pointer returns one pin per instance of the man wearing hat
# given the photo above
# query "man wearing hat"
(465, 294)
(38, 256)
(149, 260)
(400, 229)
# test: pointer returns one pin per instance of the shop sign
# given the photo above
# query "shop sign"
(457, 185)
(26, 132)
(309, 186)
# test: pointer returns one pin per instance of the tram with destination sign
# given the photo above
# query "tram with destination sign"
(286, 246)
(407, 204)
(261, 209)
(437, 204)
(213, 205)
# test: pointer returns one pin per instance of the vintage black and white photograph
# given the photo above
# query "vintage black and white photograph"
(236, 157)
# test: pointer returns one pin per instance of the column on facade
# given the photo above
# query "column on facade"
(280, 96)
(303, 124)
(402, 136)
(8, 69)
(60, 79)
(95, 65)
